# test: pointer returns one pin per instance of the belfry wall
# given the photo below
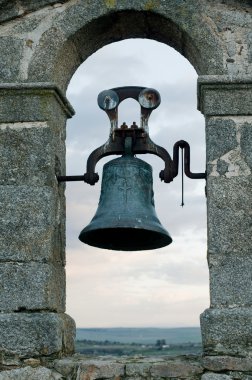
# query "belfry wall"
(42, 43)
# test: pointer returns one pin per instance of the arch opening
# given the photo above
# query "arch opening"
(138, 288)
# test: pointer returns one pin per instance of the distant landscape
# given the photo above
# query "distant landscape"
(138, 341)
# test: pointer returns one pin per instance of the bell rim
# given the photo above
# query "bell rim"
(87, 236)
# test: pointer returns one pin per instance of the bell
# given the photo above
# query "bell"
(126, 219)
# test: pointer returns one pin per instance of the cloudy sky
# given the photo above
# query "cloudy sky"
(167, 287)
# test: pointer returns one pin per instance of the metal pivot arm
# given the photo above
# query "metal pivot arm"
(64, 178)
(186, 147)
(140, 146)
(109, 148)
(148, 146)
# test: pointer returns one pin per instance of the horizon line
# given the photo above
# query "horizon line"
(141, 327)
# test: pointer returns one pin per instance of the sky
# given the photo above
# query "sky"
(166, 287)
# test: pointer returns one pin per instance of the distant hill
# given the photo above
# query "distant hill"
(141, 335)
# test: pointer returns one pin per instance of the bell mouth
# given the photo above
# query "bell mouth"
(125, 239)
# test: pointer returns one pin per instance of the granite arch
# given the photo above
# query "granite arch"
(41, 47)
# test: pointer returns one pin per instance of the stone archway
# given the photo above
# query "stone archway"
(40, 49)
(55, 40)
(109, 25)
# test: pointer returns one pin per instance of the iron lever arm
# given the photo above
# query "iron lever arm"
(64, 178)
(90, 176)
(148, 146)
(141, 145)
(186, 147)
(107, 149)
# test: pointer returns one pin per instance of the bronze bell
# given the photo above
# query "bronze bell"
(126, 219)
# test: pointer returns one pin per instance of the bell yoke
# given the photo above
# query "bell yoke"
(126, 219)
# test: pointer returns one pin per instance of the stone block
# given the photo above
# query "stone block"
(176, 369)
(27, 154)
(228, 152)
(221, 137)
(32, 286)
(227, 331)
(34, 102)
(230, 193)
(225, 363)
(98, 369)
(32, 224)
(138, 369)
(105, 367)
(229, 217)
(218, 95)
(215, 376)
(90, 369)
(29, 373)
(230, 280)
(229, 230)
(9, 360)
(36, 334)
(33, 106)
(67, 366)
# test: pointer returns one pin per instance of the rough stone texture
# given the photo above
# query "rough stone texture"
(226, 326)
(214, 376)
(29, 373)
(32, 286)
(8, 65)
(129, 368)
(229, 279)
(34, 102)
(221, 95)
(92, 370)
(209, 34)
(180, 369)
(97, 368)
(219, 130)
(32, 228)
(246, 142)
(231, 228)
(227, 205)
(224, 363)
(191, 30)
(227, 331)
(138, 369)
(17, 8)
(27, 154)
(26, 335)
(30, 224)
(41, 45)
(78, 367)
